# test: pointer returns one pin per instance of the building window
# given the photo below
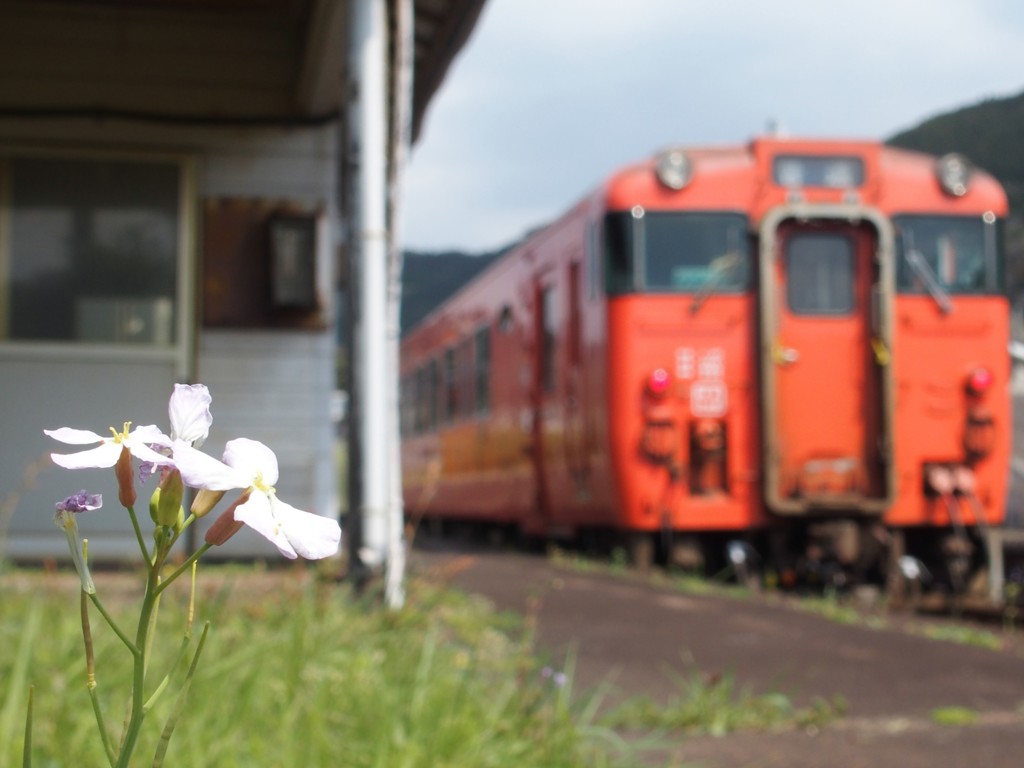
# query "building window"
(89, 250)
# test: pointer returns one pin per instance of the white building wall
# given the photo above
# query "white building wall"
(275, 386)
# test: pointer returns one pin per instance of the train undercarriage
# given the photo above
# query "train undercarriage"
(983, 563)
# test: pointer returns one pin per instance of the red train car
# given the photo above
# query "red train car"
(799, 344)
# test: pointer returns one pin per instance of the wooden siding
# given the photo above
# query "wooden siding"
(187, 61)
(276, 387)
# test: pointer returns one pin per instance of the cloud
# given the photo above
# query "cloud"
(549, 97)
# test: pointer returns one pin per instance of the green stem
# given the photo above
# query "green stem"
(182, 528)
(90, 680)
(104, 736)
(183, 567)
(138, 535)
(139, 672)
(113, 624)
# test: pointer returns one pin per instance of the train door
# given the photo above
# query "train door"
(826, 292)
(575, 439)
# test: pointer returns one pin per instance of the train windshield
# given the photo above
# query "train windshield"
(673, 252)
(949, 255)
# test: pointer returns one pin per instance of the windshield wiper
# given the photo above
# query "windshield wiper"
(931, 282)
(718, 268)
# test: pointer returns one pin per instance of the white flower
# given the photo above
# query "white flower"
(108, 451)
(252, 466)
(189, 411)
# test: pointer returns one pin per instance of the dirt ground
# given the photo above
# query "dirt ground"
(636, 634)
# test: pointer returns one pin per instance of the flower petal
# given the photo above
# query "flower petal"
(150, 434)
(252, 458)
(189, 411)
(201, 471)
(257, 514)
(74, 436)
(311, 536)
(143, 452)
(101, 456)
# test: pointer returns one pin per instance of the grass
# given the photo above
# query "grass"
(296, 672)
(717, 706)
(954, 716)
(961, 634)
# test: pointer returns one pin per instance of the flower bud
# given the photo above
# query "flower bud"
(205, 501)
(65, 520)
(154, 504)
(225, 526)
(168, 502)
(125, 479)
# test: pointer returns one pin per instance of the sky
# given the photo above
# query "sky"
(550, 96)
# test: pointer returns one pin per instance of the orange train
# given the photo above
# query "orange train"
(796, 344)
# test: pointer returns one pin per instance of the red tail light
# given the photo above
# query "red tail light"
(980, 381)
(657, 382)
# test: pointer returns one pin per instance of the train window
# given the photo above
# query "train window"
(795, 171)
(449, 386)
(505, 319)
(426, 397)
(618, 244)
(465, 387)
(678, 253)
(483, 370)
(593, 259)
(407, 404)
(574, 331)
(433, 388)
(548, 324)
(964, 254)
(820, 274)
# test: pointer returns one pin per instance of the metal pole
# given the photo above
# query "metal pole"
(370, 372)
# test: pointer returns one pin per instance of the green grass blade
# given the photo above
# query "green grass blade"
(18, 680)
(26, 753)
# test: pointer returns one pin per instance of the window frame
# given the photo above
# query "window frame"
(181, 351)
(994, 258)
(631, 235)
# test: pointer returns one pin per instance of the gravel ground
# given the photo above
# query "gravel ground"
(641, 635)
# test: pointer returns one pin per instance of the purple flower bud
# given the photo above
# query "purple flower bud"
(83, 501)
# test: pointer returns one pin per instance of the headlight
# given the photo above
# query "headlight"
(954, 172)
(674, 169)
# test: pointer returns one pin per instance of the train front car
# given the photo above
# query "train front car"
(807, 353)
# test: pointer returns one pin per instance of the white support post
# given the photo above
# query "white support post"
(370, 365)
(401, 139)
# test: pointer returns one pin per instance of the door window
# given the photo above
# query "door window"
(820, 274)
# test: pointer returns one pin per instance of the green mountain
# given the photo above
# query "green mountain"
(430, 278)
